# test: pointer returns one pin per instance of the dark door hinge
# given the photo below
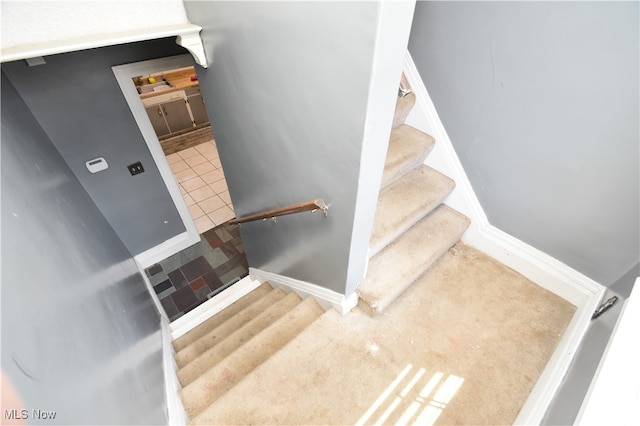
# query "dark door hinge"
(604, 307)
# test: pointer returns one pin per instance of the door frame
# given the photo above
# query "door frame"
(124, 75)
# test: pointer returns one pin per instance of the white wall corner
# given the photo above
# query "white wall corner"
(325, 297)
(544, 270)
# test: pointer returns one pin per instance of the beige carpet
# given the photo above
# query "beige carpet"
(464, 345)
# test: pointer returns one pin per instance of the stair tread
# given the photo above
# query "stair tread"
(218, 334)
(213, 322)
(408, 148)
(203, 391)
(211, 357)
(399, 264)
(405, 202)
(404, 105)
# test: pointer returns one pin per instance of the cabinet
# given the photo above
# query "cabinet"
(157, 120)
(169, 117)
(198, 110)
(176, 112)
(177, 115)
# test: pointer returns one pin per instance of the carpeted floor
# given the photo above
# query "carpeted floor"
(464, 345)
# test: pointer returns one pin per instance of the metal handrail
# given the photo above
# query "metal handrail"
(311, 205)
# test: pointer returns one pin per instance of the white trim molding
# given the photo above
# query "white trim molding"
(175, 409)
(163, 250)
(212, 306)
(187, 36)
(327, 298)
(124, 75)
(537, 266)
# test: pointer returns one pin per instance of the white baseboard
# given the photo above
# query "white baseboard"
(327, 298)
(537, 266)
(212, 306)
(175, 410)
(168, 248)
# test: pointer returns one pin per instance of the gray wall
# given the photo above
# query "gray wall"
(77, 101)
(80, 334)
(287, 91)
(540, 101)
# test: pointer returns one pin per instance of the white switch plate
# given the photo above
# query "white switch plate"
(97, 165)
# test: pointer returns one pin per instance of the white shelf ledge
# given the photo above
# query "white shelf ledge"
(187, 36)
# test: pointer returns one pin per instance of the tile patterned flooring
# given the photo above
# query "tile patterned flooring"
(192, 276)
(203, 186)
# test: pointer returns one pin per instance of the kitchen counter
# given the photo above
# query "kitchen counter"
(180, 79)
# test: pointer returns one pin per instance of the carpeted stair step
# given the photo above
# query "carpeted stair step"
(403, 108)
(191, 352)
(203, 391)
(408, 148)
(214, 355)
(213, 322)
(403, 203)
(399, 264)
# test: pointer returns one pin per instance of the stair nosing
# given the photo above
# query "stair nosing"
(414, 211)
(179, 356)
(286, 320)
(265, 315)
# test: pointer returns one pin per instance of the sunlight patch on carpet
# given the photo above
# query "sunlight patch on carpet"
(420, 407)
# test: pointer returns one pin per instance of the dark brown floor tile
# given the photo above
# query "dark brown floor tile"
(196, 284)
(184, 298)
(169, 306)
(152, 270)
(212, 280)
(196, 268)
(229, 250)
(177, 278)
(213, 239)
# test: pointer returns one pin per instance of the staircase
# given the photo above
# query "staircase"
(412, 230)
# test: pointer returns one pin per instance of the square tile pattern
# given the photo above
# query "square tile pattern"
(192, 276)
(202, 184)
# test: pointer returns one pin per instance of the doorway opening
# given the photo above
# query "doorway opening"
(165, 99)
(173, 102)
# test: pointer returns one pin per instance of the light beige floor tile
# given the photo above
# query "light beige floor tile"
(188, 200)
(213, 176)
(211, 204)
(219, 186)
(188, 153)
(196, 211)
(221, 215)
(178, 166)
(224, 196)
(195, 160)
(205, 147)
(211, 155)
(193, 184)
(201, 194)
(204, 168)
(172, 158)
(217, 163)
(203, 224)
(185, 175)
(182, 190)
